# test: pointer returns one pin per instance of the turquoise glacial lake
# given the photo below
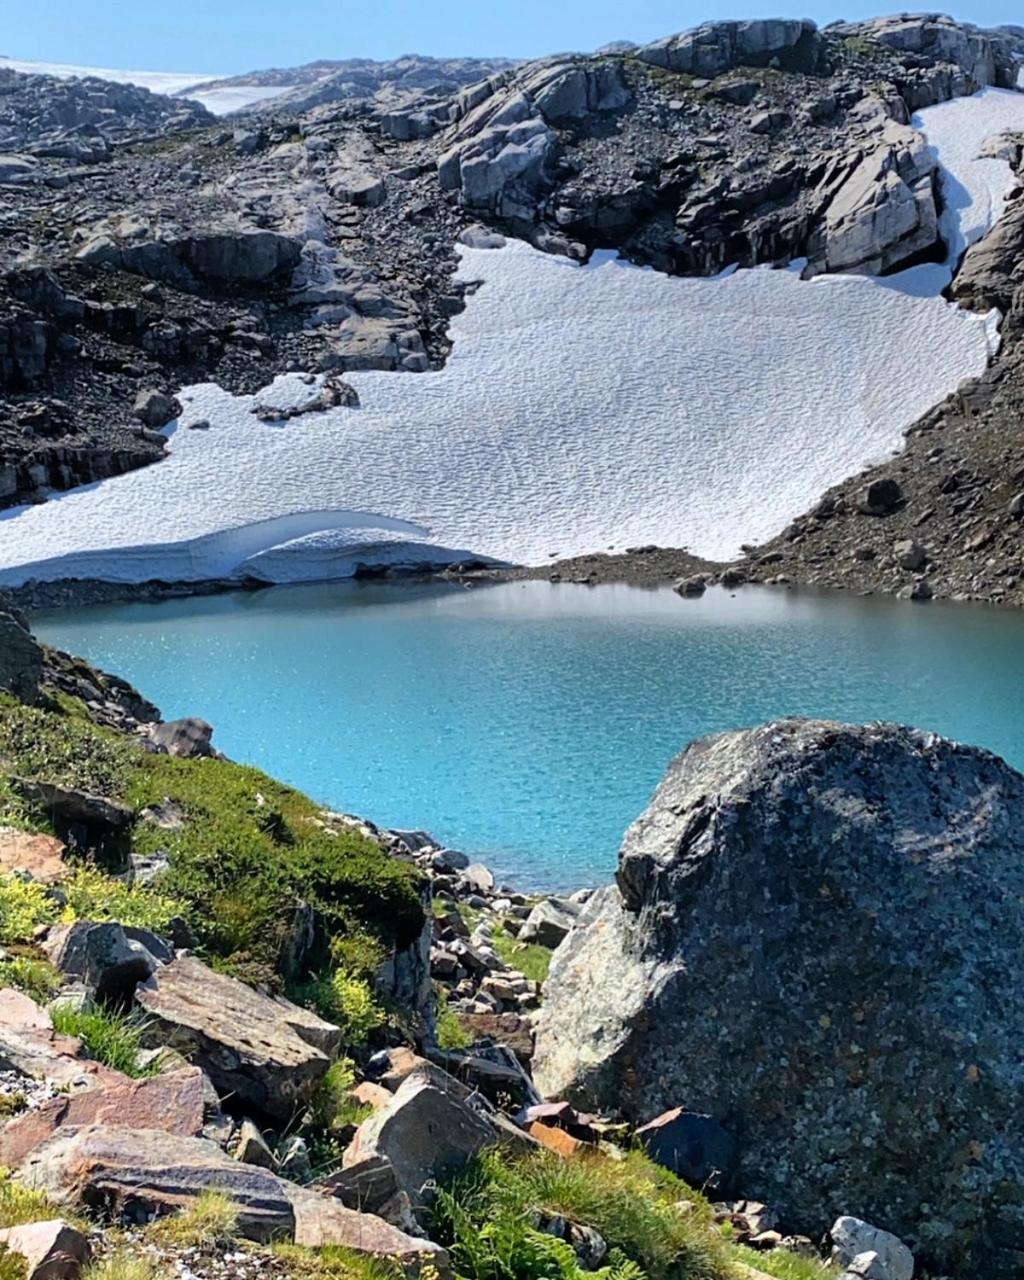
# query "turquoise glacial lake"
(528, 723)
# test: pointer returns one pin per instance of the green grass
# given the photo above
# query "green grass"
(783, 1264)
(485, 1217)
(20, 1204)
(36, 977)
(111, 1038)
(333, 1262)
(249, 849)
(250, 846)
(121, 1265)
(211, 1219)
(62, 748)
(450, 1032)
(531, 959)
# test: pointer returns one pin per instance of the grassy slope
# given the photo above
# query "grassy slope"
(249, 848)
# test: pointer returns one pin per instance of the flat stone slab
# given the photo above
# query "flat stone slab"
(40, 855)
(268, 1053)
(173, 1103)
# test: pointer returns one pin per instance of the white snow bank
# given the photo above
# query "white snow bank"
(220, 100)
(974, 186)
(581, 408)
(227, 98)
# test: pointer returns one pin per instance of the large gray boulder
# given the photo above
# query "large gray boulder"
(817, 937)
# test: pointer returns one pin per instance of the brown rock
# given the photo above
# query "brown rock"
(173, 1103)
(405, 1064)
(136, 1173)
(29, 1044)
(41, 856)
(52, 1250)
(556, 1140)
(322, 1220)
(506, 1028)
(371, 1095)
(250, 1045)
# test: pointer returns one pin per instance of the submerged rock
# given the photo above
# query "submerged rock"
(816, 937)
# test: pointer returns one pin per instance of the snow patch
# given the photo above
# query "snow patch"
(220, 101)
(975, 186)
(581, 408)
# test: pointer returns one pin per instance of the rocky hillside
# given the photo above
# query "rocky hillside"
(145, 246)
(241, 1035)
(386, 84)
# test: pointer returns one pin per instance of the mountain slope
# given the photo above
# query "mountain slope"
(324, 238)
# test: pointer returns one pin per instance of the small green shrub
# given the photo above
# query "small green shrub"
(55, 747)
(91, 895)
(110, 1037)
(12, 1104)
(12, 1265)
(332, 1105)
(348, 1002)
(332, 1109)
(24, 904)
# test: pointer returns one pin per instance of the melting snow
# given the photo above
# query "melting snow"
(581, 407)
(975, 185)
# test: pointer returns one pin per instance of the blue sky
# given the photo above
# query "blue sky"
(230, 36)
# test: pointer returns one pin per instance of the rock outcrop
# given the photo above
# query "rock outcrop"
(137, 1173)
(21, 658)
(266, 1053)
(816, 938)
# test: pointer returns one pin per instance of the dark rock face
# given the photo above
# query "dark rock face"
(817, 938)
(21, 659)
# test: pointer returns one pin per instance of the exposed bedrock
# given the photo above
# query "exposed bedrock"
(816, 937)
